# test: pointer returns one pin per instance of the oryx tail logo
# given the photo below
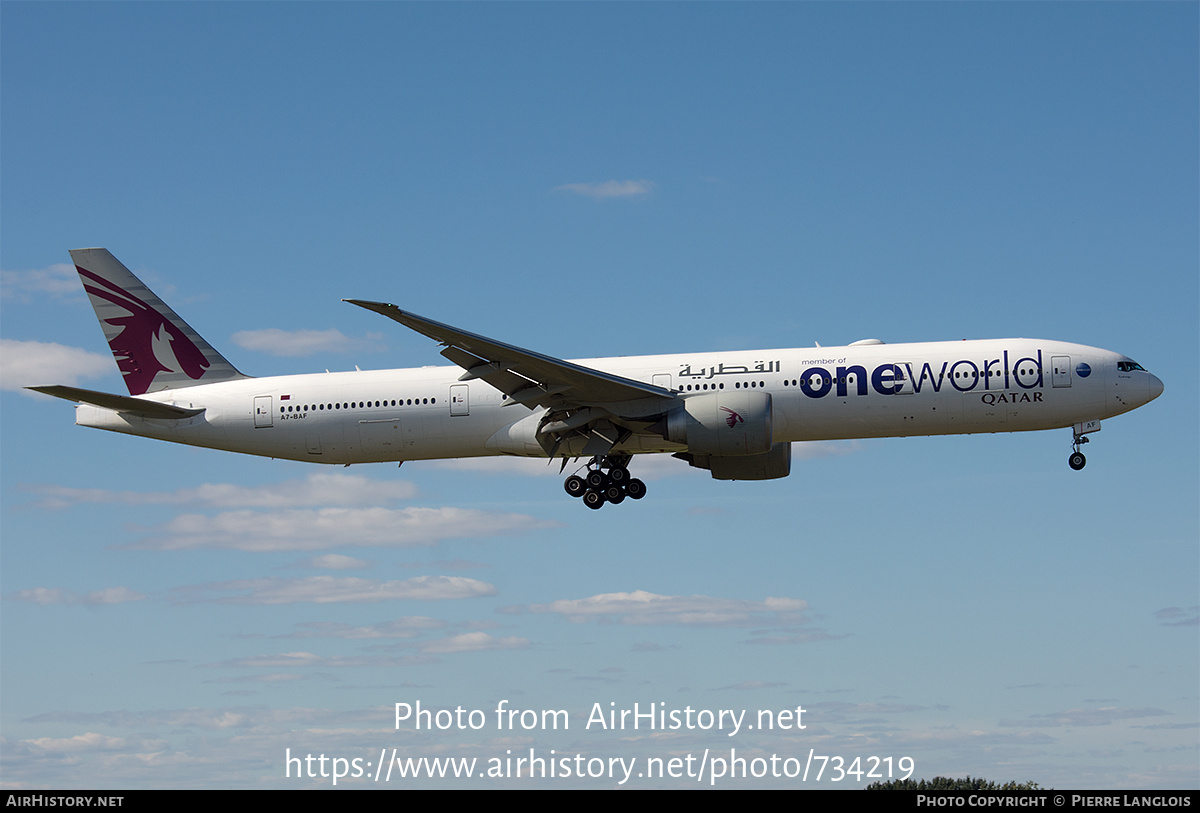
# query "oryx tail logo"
(148, 343)
(732, 419)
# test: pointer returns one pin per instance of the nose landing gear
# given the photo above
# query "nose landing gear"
(606, 480)
(1077, 461)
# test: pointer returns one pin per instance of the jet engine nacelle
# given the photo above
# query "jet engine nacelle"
(769, 466)
(723, 423)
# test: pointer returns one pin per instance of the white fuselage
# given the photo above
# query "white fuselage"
(858, 391)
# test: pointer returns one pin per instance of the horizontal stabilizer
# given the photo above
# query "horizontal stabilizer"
(119, 403)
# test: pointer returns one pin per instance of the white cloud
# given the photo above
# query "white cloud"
(642, 607)
(608, 189)
(277, 677)
(112, 595)
(334, 590)
(647, 467)
(318, 488)
(335, 561)
(43, 595)
(90, 741)
(278, 342)
(58, 281)
(411, 626)
(804, 637)
(1179, 616)
(31, 364)
(277, 660)
(1075, 718)
(308, 659)
(55, 595)
(527, 466)
(650, 646)
(216, 719)
(449, 564)
(474, 642)
(299, 530)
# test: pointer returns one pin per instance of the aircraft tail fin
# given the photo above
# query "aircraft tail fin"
(154, 348)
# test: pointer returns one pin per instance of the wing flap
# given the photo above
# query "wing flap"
(491, 372)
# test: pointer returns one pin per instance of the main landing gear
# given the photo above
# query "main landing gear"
(1077, 461)
(605, 480)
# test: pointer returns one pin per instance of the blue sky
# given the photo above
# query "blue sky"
(595, 180)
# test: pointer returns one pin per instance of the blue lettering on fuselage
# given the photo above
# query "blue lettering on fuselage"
(823, 382)
(935, 380)
(887, 379)
(964, 375)
(860, 376)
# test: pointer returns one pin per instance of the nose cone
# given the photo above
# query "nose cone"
(1156, 387)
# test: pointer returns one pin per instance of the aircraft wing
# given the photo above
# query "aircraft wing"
(119, 403)
(526, 377)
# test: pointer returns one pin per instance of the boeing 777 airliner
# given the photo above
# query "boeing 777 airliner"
(735, 413)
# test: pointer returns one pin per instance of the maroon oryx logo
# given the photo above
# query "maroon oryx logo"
(144, 327)
(733, 419)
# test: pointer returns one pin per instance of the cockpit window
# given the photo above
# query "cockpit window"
(1129, 366)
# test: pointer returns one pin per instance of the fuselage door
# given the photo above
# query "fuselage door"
(262, 411)
(1060, 371)
(459, 405)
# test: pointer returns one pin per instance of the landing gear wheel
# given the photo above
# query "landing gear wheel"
(1077, 461)
(604, 478)
(575, 486)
